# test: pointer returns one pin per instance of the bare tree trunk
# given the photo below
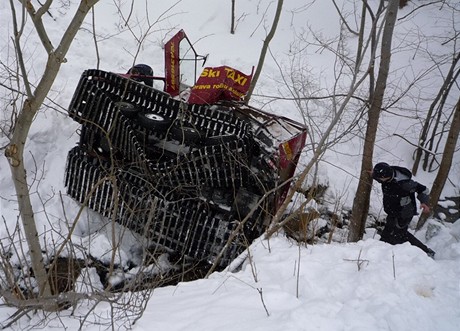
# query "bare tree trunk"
(446, 163)
(440, 99)
(361, 201)
(15, 150)
(263, 52)
(232, 20)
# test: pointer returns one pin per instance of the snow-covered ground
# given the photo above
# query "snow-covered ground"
(361, 286)
(367, 285)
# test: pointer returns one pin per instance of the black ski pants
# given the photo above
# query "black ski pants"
(396, 232)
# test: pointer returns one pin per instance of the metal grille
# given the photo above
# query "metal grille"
(184, 201)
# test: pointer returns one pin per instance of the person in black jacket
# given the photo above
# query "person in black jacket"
(399, 203)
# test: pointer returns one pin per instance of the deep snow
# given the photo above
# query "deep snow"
(367, 285)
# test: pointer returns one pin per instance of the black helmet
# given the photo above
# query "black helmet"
(140, 70)
(382, 170)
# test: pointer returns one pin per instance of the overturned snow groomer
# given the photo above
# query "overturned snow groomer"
(197, 174)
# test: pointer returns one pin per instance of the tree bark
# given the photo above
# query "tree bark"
(15, 150)
(263, 52)
(446, 163)
(440, 97)
(360, 207)
(232, 18)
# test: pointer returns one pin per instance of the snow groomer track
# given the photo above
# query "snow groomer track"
(186, 176)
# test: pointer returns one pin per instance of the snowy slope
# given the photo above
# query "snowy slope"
(361, 286)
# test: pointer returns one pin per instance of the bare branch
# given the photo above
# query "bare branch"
(38, 22)
(344, 21)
